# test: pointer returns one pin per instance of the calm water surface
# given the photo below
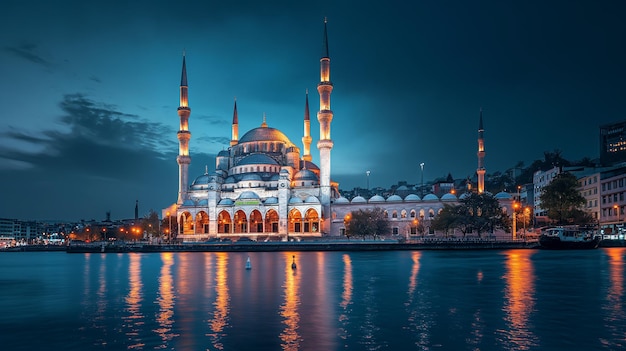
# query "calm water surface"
(422, 300)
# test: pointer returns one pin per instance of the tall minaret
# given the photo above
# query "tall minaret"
(183, 135)
(235, 131)
(481, 155)
(306, 139)
(325, 144)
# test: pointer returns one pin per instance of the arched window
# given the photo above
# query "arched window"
(412, 214)
(394, 214)
(403, 214)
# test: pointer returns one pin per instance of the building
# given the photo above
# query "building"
(613, 143)
(265, 187)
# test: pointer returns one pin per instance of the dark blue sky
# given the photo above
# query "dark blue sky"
(90, 90)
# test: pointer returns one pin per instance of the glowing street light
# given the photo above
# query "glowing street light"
(422, 185)
(368, 181)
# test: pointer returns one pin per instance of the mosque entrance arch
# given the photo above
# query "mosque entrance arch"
(224, 223)
(256, 222)
(295, 221)
(240, 222)
(202, 223)
(186, 223)
(311, 221)
(271, 221)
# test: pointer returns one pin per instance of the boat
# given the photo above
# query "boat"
(569, 237)
(248, 264)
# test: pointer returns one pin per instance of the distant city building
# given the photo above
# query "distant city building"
(613, 143)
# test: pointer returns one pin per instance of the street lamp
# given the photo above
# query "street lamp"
(422, 184)
(515, 206)
(368, 182)
(169, 226)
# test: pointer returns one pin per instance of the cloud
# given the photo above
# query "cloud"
(28, 52)
(212, 120)
(214, 140)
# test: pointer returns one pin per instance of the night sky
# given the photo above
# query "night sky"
(90, 90)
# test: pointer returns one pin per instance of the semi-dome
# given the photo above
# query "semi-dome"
(309, 165)
(412, 197)
(230, 180)
(295, 200)
(503, 196)
(448, 197)
(248, 195)
(377, 198)
(264, 134)
(226, 202)
(271, 200)
(342, 200)
(274, 177)
(358, 199)
(430, 197)
(203, 202)
(250, 176)
(201, 180)
(394, 198)
(312, 200)
(257, 159)
(305, 174)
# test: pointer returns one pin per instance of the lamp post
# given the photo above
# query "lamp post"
(169, 226)
(368, 182)
(515, 206)
(422, 182)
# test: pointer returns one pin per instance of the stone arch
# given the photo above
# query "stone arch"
(240, 222)
(311, 221)
(224, 223)
(385, 214)
(431, 213)
(403, 214)
(186, 223)
(394, 214)
(413, 214)
(256, 222)
(202, 223)
(422, 214)
(295, 221)
(271, 221)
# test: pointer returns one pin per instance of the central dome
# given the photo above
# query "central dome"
(264, 134)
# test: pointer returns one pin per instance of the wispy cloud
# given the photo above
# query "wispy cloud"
(212, 120)
(28, 51)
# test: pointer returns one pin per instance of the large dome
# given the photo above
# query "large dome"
(264, 134)
(257, 159)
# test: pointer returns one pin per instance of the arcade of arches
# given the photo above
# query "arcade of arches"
(250, 223)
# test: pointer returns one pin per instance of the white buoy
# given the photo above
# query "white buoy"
(248, 264)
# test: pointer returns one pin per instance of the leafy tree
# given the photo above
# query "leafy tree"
(447, 219)
(367, 223)
(150, 223)
(481, 212)
(562, 200)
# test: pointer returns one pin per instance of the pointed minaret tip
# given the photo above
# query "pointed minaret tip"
(235, 114)
(183, 77)
(307, 114)
(480, 121)
(325, 48)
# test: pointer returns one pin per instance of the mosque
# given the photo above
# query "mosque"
(265, 187)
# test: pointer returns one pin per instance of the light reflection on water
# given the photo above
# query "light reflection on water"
(494, 300)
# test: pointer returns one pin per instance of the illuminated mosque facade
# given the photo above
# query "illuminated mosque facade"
(265, 187)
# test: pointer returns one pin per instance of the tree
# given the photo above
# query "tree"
(150, 223)
(447, 219)
(367, 223)
(563, 202)
(481, 212)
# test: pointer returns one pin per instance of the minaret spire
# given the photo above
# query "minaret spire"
(306, 139)
(481, 155)
(325, 144)
(235, 129)
(183, 136)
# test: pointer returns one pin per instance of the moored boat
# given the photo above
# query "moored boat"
(570, 237)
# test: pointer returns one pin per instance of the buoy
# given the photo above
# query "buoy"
(293, 263)
(248, 264)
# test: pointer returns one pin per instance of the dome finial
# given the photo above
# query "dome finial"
(206, 169)
(264, 124)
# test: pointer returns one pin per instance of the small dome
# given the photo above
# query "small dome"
(203, 179)
(431, 197)
(230, 180)
(309, 165)
(274, 177)
(342, 200)
(412, 197)
(284, 171)
(448, 197)
(394, 198)
(250, 176)
(463, 196)
(226, 202)
(377, 198)
(402, 187)
(295, 200)
(257, 159)
(248, 195)
(358, 199)
(312, 200)
(305, 174)
(503, 196)
(188, 202)
(223, 153)
(271, 200)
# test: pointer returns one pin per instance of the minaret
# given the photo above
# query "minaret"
(235, 131)
(481, 155)
(306, 139)
(183, 135)
(325, 144)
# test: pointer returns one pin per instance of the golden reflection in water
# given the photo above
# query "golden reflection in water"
(415, 256)
(615, 293)
(133, 299)
(222, 300)
(165, 299)
(519, 299)
(346, 296)
(289, 310)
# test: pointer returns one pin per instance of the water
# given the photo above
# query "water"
(421, 300)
